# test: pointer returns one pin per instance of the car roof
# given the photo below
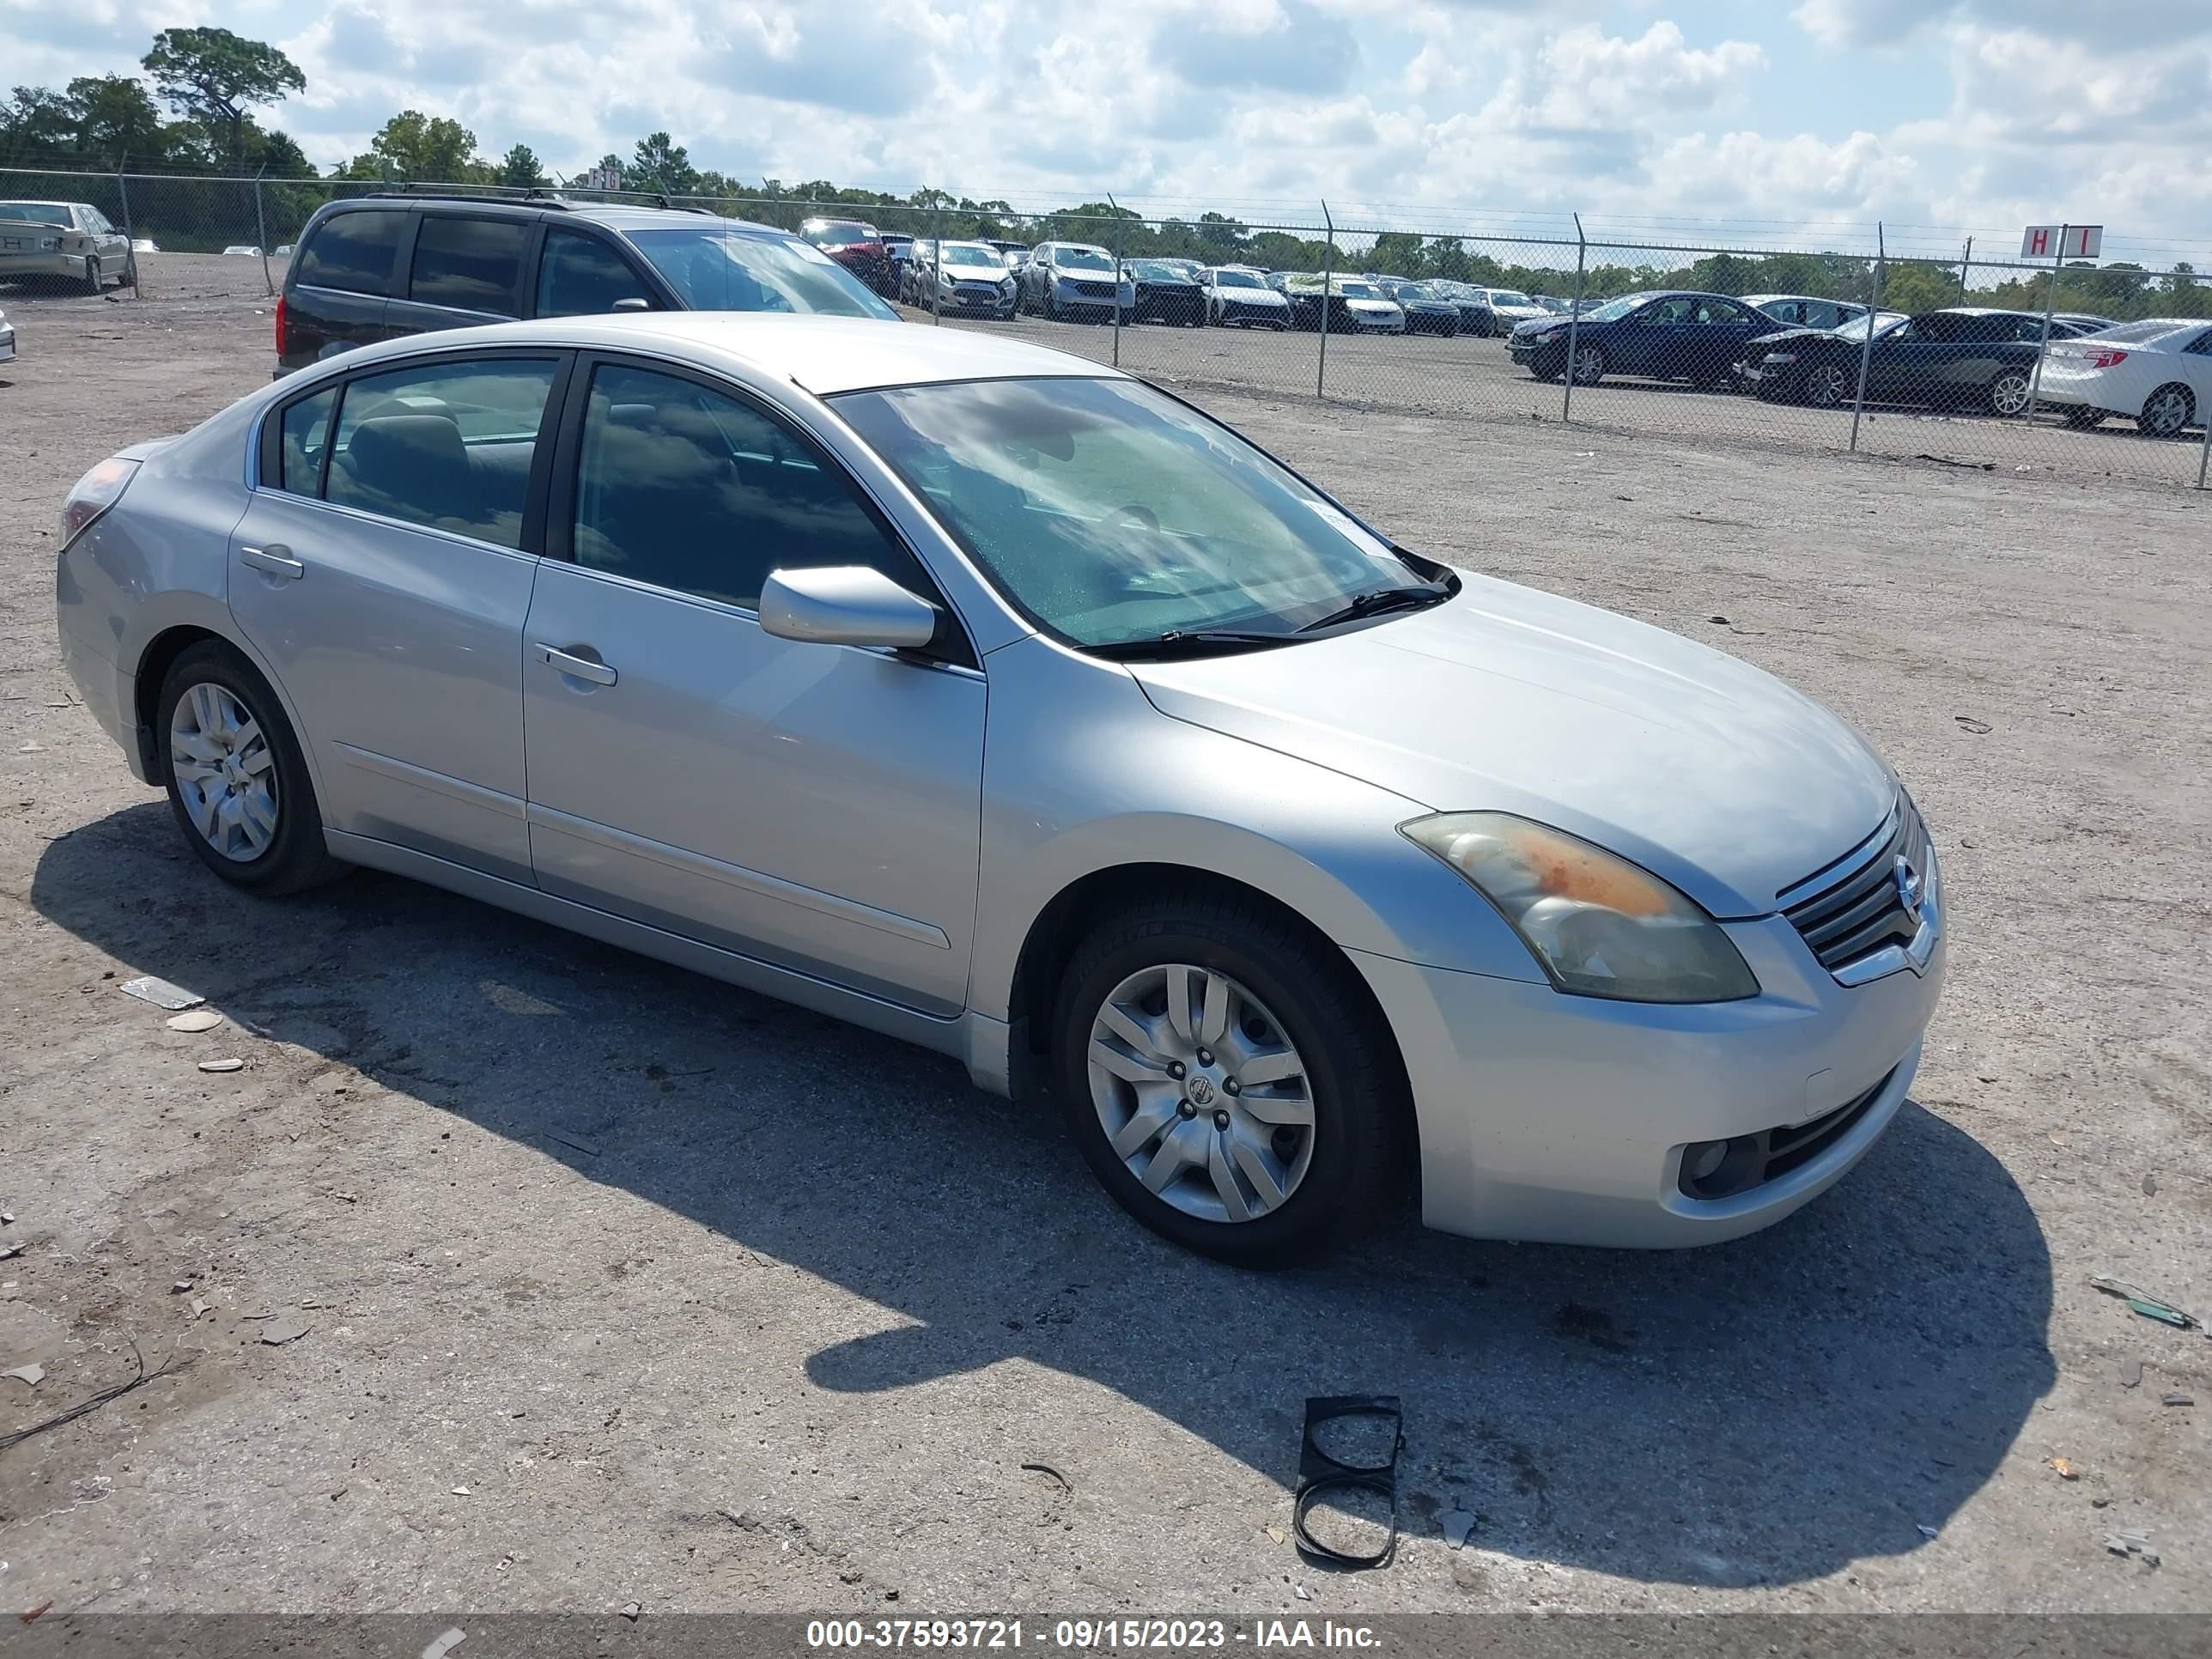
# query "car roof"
(613, 215)
(824, 355)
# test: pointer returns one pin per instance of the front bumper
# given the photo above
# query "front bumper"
(1551, 354)
(1563, 1119)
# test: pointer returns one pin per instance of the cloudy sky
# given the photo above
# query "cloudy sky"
(1936, 116)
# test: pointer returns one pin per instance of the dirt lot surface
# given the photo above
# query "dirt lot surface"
(623, 1286)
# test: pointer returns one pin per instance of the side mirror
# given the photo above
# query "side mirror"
(633, 303)
(845, 604)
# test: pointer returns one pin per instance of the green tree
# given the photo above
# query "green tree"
(1222, 235)
(216, 77)
(37, 126)
(116, 120)
(658, 162)
(1398, 253)
(430, 149)
(519, 167)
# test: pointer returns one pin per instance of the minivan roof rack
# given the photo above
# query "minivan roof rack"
(533, 196)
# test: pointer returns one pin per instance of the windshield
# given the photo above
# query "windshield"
(1112, 515)
(1614, 310)
(713, 271)
(1082, 258)
(1855, 329)
(1506, 296)
(1358, 290)
(1237, 279)
(977, 258)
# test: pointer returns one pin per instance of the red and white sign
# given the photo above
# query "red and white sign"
(2079, 242)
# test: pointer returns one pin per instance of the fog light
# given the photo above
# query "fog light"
(1701, 1159)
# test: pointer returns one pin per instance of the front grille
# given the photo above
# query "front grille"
(1855, 906)
(1094, 290)
(1750, 1161)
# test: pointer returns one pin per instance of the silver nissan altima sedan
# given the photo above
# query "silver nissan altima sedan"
(1002, 702)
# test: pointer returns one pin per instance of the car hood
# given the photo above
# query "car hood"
(1709, 773)
(1352, 303)
(1538, 324)
(1069, 274)
(1264, 295)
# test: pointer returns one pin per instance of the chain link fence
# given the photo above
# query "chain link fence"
(1412, 314)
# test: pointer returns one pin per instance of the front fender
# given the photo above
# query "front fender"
(1083, 775)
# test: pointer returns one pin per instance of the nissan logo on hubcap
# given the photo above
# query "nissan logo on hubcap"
(1201, 1092)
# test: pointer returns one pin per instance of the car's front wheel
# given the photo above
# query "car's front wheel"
(1827, 386)
(238, 783)
(1227, 1078)
(1590, 366)
(2009, 393)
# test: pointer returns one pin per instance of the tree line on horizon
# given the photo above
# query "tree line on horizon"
(211, 82)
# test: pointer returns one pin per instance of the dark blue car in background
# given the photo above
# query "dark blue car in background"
(1667, 335)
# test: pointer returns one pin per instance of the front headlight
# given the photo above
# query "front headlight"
(1600, 926)
(1781, 356)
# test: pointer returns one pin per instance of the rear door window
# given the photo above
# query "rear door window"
(306, 440)
(472, 265)
(448, 445)
(581, 276)
(353, 251)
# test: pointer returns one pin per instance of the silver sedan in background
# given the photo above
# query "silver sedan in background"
(993, 699)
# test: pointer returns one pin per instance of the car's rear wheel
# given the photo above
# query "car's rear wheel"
(2082, 419)
(1590, 366)
(2168, 411)
(238, 783)
(2008, 394)
(1227, 1078)
(1827, 386)
(93, 282)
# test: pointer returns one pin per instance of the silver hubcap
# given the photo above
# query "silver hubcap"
(2169, 413)
(1827, 386)
(2010, 395)
(1201, 1093)
(1588, 366)
(224, 774)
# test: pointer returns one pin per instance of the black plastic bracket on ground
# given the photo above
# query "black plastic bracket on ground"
(1320, 1474)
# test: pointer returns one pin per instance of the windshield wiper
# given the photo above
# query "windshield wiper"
(1380, 599)
(1178, 641)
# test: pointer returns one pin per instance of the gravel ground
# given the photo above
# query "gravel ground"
(622, 1286)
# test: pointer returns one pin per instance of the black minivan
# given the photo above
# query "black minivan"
(375, 267)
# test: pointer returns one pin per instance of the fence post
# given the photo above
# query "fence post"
(1328, 286)
(2205, 454)
(1866, 346)
(1964, 259)
(1574, 321)
(1120, 240)
(261, 231)
(936, 266)
(131, 261)
(2050, 305)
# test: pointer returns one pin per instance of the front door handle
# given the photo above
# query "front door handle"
(276, 558)
(581, 668)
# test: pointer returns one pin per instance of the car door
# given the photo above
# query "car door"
(463, 270)
(1905, 364)
(1649, 342)
(383, 570)
(815, 806)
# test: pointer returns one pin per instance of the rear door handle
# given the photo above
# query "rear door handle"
(581, 668)
(276, 558)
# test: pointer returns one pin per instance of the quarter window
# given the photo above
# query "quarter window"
(581, 276)
(472, 265)
(307, 433)
(353, 251)
(689, 490)
(449, 445)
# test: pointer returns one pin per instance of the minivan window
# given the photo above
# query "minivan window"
(580, 276)
(446, 445)
(353, 251)
(717, 271)
(472, 265)
(686, 489)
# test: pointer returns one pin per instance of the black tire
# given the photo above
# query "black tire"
(1355, 1081)
(296, 857)
(2082, 419)
(2168, 411)
(95, 283)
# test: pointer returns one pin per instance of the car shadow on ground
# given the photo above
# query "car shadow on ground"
(1764, 1412)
